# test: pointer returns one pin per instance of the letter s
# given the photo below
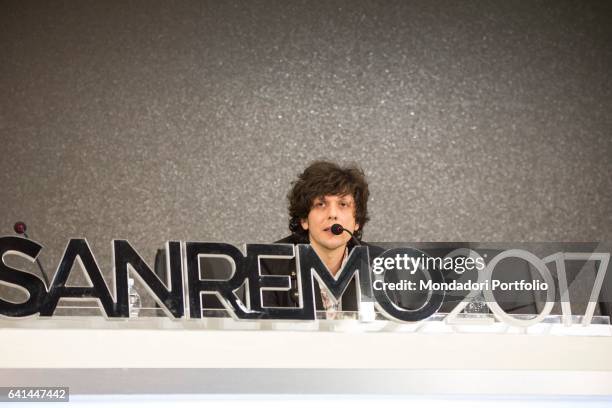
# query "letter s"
(23, 280)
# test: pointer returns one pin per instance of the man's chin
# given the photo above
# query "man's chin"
(332, 245)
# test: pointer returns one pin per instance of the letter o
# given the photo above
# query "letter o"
(392, 310)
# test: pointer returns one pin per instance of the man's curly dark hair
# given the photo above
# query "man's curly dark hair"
(323, 178)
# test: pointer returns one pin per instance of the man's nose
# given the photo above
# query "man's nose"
(332, 212)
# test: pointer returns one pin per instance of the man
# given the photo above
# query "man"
(323, 195)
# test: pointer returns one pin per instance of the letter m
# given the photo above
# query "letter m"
(356, 267)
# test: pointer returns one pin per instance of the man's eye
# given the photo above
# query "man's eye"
(319, 204)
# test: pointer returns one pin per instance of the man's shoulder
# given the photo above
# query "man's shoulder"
(374, 250)
(292, 239)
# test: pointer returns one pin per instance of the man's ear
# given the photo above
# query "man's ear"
(304, 223)
(356, 227)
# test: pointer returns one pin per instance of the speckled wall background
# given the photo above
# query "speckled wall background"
(157, 120)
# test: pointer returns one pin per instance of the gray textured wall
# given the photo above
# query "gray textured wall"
(157, 120)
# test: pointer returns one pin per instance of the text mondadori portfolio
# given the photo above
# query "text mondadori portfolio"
(493, 284)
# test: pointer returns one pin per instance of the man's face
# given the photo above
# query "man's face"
(325, 212)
